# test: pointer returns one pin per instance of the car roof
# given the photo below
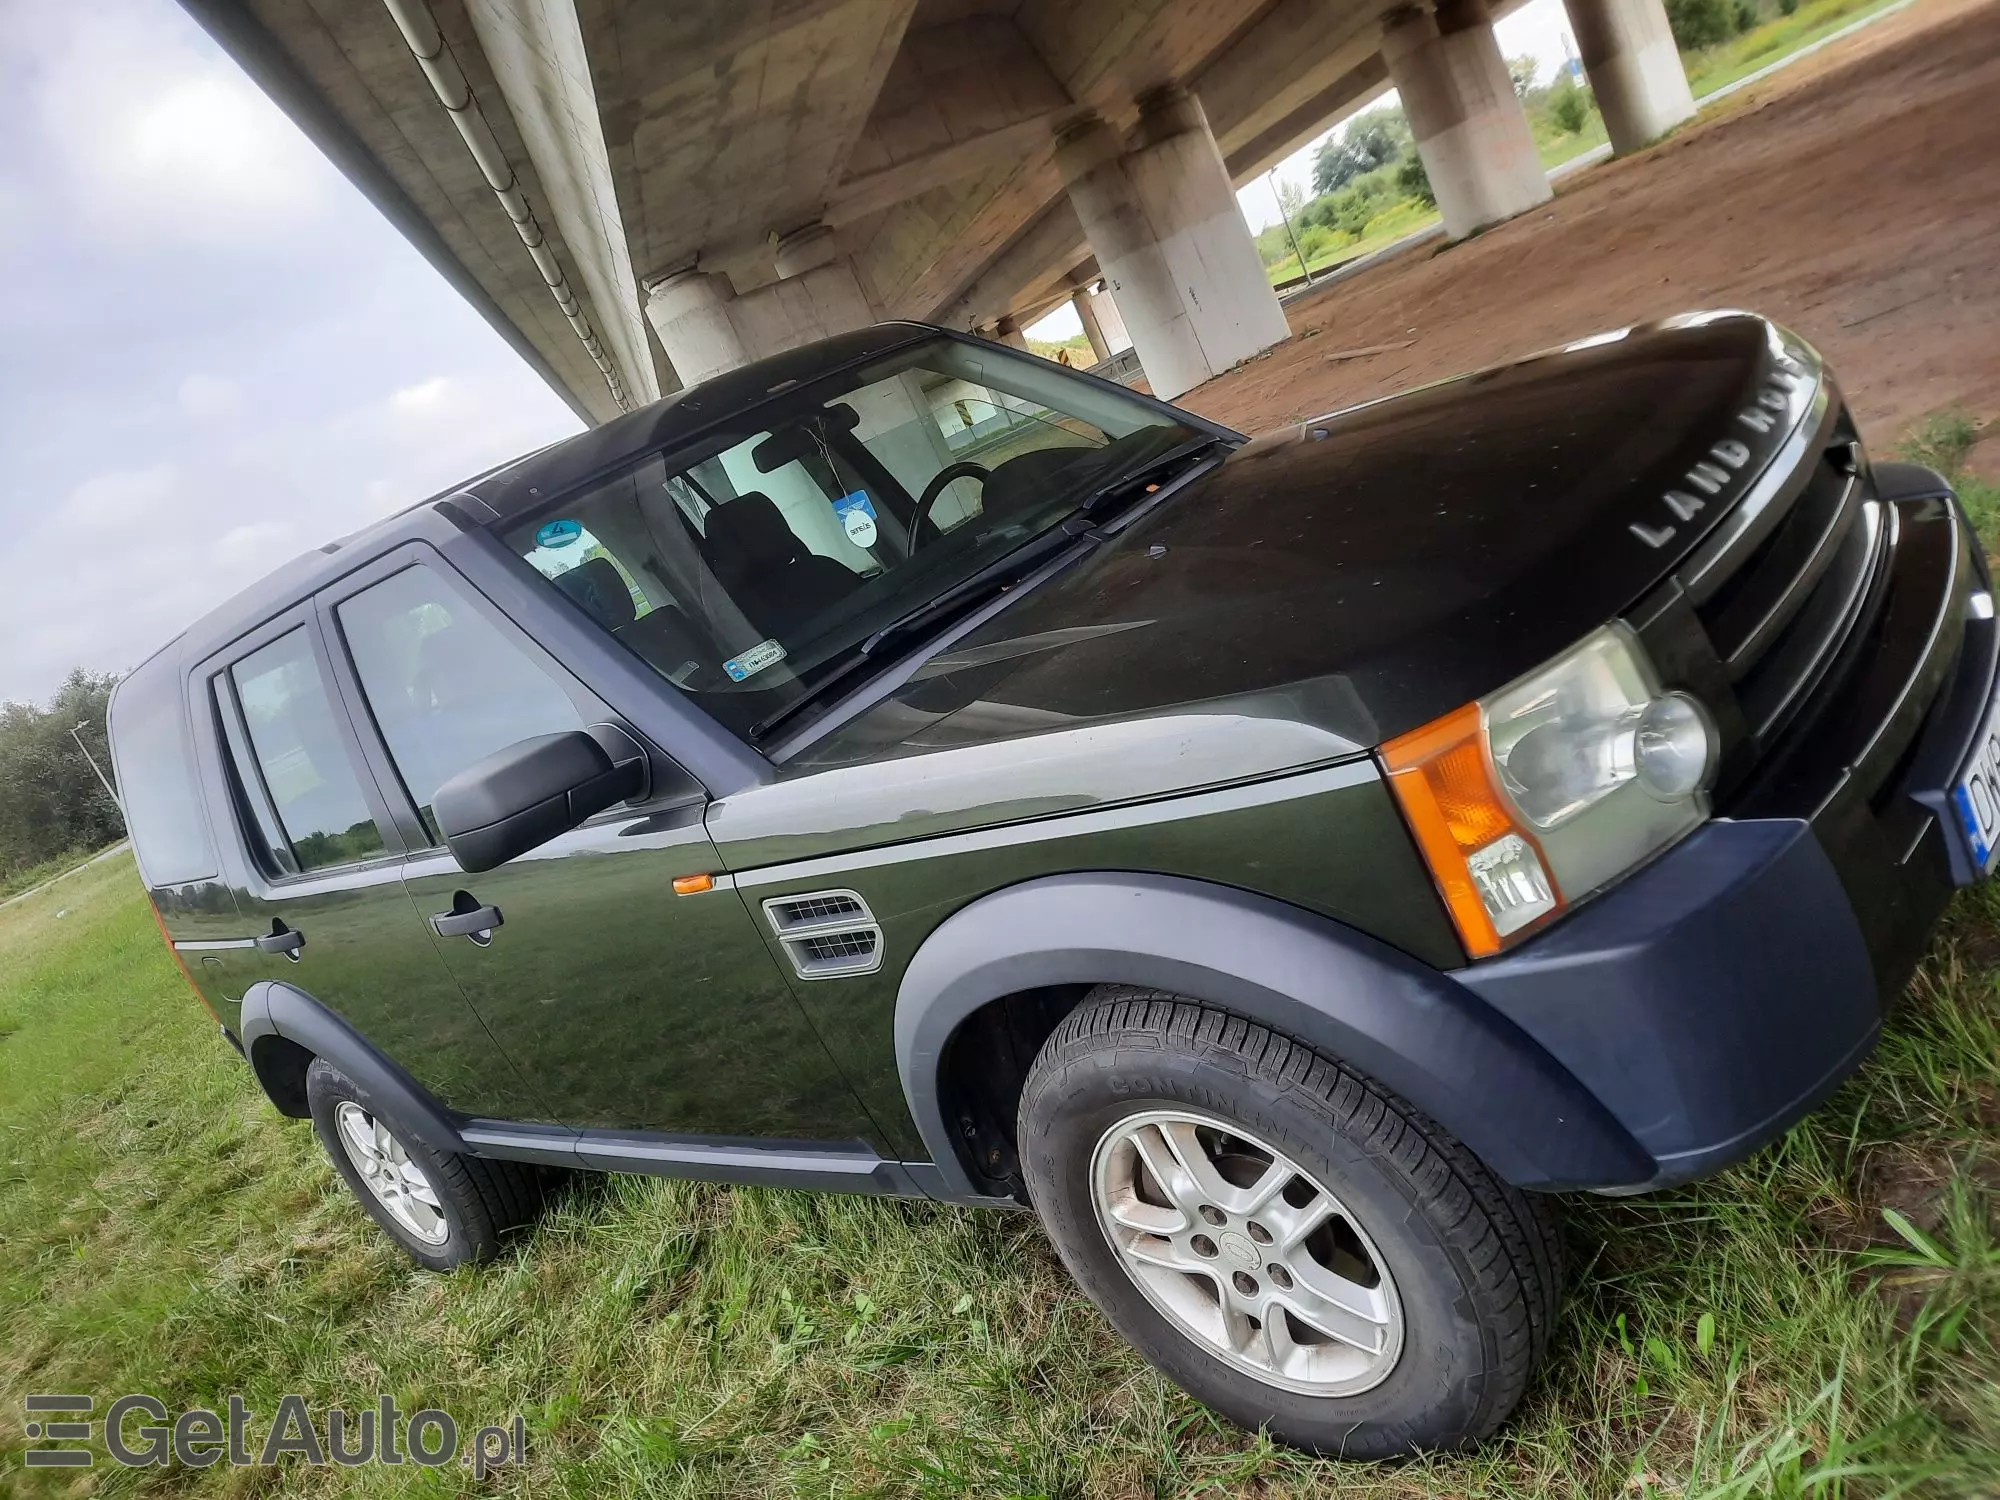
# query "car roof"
(522, 483)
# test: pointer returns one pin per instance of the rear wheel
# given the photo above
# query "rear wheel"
(1285, 1239)
(443, 1208)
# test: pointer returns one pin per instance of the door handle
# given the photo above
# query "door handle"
(467, 919)
(281, 939)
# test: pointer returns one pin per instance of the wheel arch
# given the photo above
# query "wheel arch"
(1411, 1028)
(283, 1029)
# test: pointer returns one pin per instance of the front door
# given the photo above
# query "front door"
(627, 1005)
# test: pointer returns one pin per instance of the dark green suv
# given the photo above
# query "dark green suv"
(906, 766)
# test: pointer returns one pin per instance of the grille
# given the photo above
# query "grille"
(827, 934)
(1781, 587)
(803, 911)
(841, 946)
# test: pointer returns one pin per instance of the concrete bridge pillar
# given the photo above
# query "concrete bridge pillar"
(690, 311)
(1108, 319)
(1634, 67)
(1079, 299)
(1008, 331)
(1470, 130)
(1171, 242)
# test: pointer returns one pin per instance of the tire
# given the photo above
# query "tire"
(1466, 1270)
(457, 1208)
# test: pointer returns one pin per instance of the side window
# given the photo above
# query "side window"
(155, 764)
(301, 756)
(446, 687)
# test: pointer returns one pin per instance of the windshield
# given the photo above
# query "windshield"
(750, 567)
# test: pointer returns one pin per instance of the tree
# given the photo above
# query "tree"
(1523, 71)
(50, 800)
(1701, 23)
(1415, 181)
(1368, 141)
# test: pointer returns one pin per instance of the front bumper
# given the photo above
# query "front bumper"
(1715, 997)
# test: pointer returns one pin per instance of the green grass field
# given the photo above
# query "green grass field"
(1774, 1331)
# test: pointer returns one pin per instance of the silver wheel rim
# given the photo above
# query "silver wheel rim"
(1246, 1253)
(398, 1183)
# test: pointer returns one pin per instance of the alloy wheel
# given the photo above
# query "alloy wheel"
(1246, 1253)
(397, 1182)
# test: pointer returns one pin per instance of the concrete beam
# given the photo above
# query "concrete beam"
(1259, 152)
(1053, 238)
(958, 97)
(535, 48)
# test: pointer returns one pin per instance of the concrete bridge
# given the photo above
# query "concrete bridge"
(641, 193)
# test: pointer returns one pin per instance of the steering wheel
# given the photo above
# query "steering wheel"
(963, 469)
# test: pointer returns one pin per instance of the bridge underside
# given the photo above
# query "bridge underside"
(638, 193)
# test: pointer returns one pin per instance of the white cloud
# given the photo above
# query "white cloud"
(209, 398)
(423, 398)
(117, 499)
(157, 138)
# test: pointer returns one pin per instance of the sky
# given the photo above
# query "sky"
(214, 353)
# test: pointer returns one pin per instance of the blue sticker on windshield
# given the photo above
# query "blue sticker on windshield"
(558, 533)
(857, 517)
(763, 654)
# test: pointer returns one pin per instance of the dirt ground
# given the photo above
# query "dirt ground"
(1854, 197)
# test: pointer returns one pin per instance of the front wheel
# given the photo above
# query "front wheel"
(1290, 1243)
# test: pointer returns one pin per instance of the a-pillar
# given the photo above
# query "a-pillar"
(1171, 242)
(1635, 68)
(690, 311)
(1470, 130)
(1079, 299)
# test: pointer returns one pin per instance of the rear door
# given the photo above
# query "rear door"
(317, 867)
(630, 1006)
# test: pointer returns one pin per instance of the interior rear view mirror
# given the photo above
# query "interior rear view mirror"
(520, 797)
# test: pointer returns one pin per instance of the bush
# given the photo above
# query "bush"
(1746, 15)
(1701, 23)
(1415, 181)
(1570, 106)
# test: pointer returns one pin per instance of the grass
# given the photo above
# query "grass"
(1821, 1321)
(1944, 441)
(1764, 44)
(12, 883)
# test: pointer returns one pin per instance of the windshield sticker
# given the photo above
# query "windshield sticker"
(857, 517)
(763, 654)
(559, 533)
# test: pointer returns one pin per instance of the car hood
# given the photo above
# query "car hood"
(1369, 570)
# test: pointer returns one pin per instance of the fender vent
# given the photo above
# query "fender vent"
(827, 934)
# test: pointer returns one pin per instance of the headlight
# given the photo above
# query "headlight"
(1532, 798)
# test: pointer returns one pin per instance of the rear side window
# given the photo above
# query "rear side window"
(447, 688)
(153, 755)
(301, 757)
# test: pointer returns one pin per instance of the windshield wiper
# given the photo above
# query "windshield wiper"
(998, 576)
(968, 594)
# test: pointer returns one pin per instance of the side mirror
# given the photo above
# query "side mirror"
(519, 798)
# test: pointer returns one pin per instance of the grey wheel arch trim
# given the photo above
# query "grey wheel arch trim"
(1409, 1027)
(275, 1010)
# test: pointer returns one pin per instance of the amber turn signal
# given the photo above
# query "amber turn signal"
(693, 885)
(1487, 866)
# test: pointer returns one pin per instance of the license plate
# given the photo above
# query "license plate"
(1976, 793)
